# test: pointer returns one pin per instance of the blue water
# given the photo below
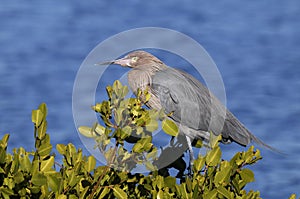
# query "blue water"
(256, 46)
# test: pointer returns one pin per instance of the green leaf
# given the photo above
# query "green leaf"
(99, 129)
(46, 165)
(2, 155)
(109, 91)
(170, 181)
(73, 180)
(152, 125)
(213, 157)
(126, 131)
(86, 131)
(109, 154)
(44, 150)
(39, 179)
(198, 164)
(53, 182)
(104, 192)
(189, 185)
(37, 117)
(223, 175)
(160, 194)
(72, 196)
(247, 175)
(224, 192)
(199, 144)
(117, 85)
(143, 144)
(61, 148)
(119, 193)
(15, 164)
(183, 191)
(139, 130)
(62, 196)
(18, 178)
(6, 191)
(292, 196)
(97, 108)
(4, 140)
(211, 194)
(152, 154)
(169, 127)
(215, 140)
(43, 108)
(42, 130)
(118, 115)
(90, 164)
(137, 148)
(146, 140)
(159, 182)
(150, 166)
(125, 91)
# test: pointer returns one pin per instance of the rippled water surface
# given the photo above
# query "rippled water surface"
(256, 46)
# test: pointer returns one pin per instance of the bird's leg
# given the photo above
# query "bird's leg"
(191, 154)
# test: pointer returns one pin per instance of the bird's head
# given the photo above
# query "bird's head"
(136, 59)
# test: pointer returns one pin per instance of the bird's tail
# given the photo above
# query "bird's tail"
(261, 143)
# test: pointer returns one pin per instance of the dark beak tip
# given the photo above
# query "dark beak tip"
(104, 63)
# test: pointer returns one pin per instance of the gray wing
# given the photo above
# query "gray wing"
(193, 106)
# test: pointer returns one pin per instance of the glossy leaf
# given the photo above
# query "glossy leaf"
(160, 194)
(223, 175)
(170, 181)
(19, 177)
(150, 166)
(25, 163)
(42, 130)
(43, 108)
(46, 165)
(39, 179)
(213, 157)
(211, 194)
(104, 192)
(170, 127)
(198, 164)
(159, 182)
(247, 175)
(4, 140)
(86, 131)
(45, 149)
(99, 129)
(37, 117)
(39, 174)
(119, 193)
(61, 148)
(152, 125)
(224, 192)
(62, 196)
(2, 155)
(137, 148)
(90, 164)
(53, 182)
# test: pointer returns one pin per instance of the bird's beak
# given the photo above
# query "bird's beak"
(122, 62)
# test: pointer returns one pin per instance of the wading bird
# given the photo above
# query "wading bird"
(194, 108)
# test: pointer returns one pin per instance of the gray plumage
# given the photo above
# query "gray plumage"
(192, 106)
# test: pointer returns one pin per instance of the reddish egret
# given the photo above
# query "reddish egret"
(192, 105)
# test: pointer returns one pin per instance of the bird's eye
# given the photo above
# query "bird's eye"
(134, 59)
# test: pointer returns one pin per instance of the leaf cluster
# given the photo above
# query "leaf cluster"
(36, 174)
(127, 121)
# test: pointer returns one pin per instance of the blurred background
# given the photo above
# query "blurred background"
(256, 46)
